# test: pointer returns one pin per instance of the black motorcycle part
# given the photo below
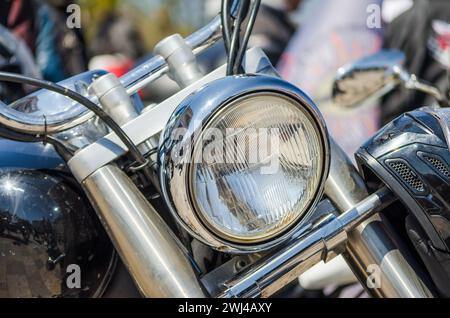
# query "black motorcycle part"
(410, 155)
(48, 235)
(437, 262)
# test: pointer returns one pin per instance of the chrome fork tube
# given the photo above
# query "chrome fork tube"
(372, 248)
(153, 255)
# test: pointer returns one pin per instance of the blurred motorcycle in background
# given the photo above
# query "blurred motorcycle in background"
(231, 187)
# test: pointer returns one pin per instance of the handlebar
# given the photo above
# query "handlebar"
(48, 112)
(72, 114)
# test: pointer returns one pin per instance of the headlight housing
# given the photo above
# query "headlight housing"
(242, 161)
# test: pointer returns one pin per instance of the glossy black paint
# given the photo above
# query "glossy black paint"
(424, 189)
(29, 155)
(407, 138)
(46, 221)
(46, 224)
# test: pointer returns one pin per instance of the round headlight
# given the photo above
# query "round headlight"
(242, 162)
(247, 200)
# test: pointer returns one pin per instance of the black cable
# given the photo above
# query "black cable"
(247, 34)
(65, 150)
(235, 38)
(226, 23)
(17, 78)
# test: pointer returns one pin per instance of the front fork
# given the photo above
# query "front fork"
(161, 267)
(373, 251)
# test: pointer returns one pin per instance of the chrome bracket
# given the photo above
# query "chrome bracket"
(149, 123)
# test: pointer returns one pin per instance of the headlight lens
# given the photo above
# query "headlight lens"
(242, 160)
(257, 168)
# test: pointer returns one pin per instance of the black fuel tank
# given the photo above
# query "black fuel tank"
(49, 234)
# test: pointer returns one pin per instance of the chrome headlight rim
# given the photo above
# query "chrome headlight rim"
(190, 178)
(203, 105)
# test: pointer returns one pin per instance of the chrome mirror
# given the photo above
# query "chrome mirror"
(373, 76)
(368, 78)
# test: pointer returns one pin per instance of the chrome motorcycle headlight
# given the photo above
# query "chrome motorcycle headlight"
(242, 162)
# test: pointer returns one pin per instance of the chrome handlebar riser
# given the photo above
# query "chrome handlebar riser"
(180, 58)
(114, 99)
(157, 66)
